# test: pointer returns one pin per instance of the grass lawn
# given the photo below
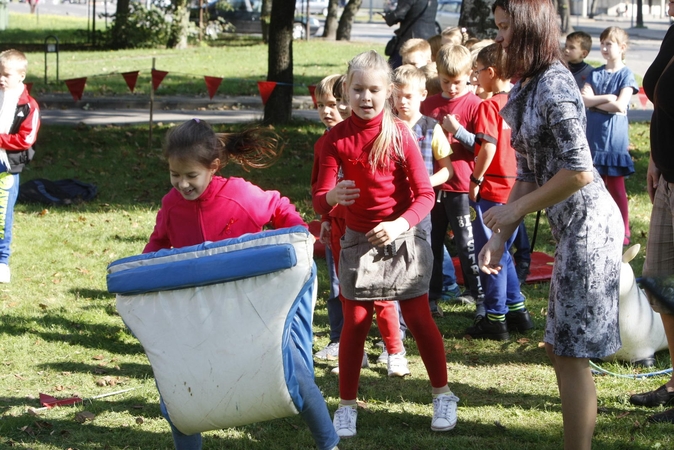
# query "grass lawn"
(60, 333)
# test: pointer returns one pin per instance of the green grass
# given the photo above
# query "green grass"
(60, 333)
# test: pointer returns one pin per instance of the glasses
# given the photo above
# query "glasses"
(476, 73)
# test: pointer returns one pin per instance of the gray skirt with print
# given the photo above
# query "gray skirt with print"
(399, 271)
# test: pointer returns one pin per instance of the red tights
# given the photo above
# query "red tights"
(357, 321)
(616, 187)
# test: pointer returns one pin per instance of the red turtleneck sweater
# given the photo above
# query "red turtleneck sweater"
(404, 190)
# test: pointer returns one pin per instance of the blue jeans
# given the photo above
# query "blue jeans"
(335, 315)
(315, 413)
(448, 271)
(9, 191)
(503, 288)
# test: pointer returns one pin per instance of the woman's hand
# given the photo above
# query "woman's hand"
(324, 236)
(499, 218)
(489, 259)
(344, 193)
(652, 179)
(387, 232)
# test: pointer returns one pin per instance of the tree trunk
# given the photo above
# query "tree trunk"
(265, 18)
(640, 13)
(181, 21)
(330, 27)
(120, 24)
(475, 17)
(279, 107)
(346, 21)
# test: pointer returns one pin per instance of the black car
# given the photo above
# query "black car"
(244, 17)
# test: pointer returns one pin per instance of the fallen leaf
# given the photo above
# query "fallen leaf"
(99, 357)
(139, 420)
(523, 341)
(44, 212)
(43, 306)
(541, 345)
(626, 413)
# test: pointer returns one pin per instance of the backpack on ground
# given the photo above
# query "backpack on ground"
(59, 192)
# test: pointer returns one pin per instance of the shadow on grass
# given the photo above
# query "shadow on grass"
(93, 294)
(131, 370)
(88, 335)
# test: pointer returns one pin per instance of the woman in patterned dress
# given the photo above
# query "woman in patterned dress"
(555, 172)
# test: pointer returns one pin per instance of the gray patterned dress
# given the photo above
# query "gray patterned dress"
(547, 118)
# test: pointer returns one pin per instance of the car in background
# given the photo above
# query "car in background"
(448, 15)
(319, 7)
(243, 16)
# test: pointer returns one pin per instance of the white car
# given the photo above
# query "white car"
(315, 7)
(449, 12)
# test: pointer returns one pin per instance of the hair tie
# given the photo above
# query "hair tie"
(195, 119)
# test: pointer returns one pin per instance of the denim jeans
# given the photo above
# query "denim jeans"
(9, 191)
(315, 412)
(335, 315)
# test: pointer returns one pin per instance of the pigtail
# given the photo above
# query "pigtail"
(255, 148)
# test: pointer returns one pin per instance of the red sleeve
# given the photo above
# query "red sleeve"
(159, 238)
(318, 148)
(486, 124)
(420, 183)
(270, 206)
(328, 167)
(25, 137)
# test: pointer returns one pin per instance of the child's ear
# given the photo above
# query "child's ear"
(585, 53)
(215, 165)
(424, 94)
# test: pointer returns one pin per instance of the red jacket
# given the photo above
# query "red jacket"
(23, 133)
(228, 208)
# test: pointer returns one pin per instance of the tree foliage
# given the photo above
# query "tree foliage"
(477, 18)
(137, 27)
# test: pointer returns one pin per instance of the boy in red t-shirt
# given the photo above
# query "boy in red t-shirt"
(455, 108)
(490, 184)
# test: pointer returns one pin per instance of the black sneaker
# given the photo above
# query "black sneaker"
(487, 329)
(519, 321)
(522, 270)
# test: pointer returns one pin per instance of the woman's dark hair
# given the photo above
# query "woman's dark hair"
(535, 38)
(195, 140)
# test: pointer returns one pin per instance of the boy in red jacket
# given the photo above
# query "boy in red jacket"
(19, 123)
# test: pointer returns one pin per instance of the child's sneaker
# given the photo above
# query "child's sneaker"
(383, 358)
(344, 421)
(450, 293)
(397, 365)
(330, 352)
(444, 412)
(435, 309)
(4, 273)
(365, 364)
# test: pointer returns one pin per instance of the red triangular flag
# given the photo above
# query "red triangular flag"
(76, 87)
(131, 78)
(265, 88)
(29, 87)
(312, 91)
(212, 84)
(642, 98)
(49, 401)
(157, 78)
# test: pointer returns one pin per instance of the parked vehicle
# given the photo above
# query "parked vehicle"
(315, 7)
(449, 12)
(243, 16)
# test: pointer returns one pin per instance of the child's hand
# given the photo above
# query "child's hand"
(344, 193)
(450, 123)
(473, 192)
(489, 259)
(387, 232)
(587, 90)
(324, 236)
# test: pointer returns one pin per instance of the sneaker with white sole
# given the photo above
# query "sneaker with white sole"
(444, 412)
(397, 365)
(383, 358)
(344, 421)
(4, 273)
(365, 364)
(329, 353)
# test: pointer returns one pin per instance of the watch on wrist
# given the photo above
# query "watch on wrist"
(475, 180)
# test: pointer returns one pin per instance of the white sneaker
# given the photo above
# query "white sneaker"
(397, 365)
(345, 421)
(365, 364)
(383, 358)
(330, 352)
(444, 412)
(4, 273)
